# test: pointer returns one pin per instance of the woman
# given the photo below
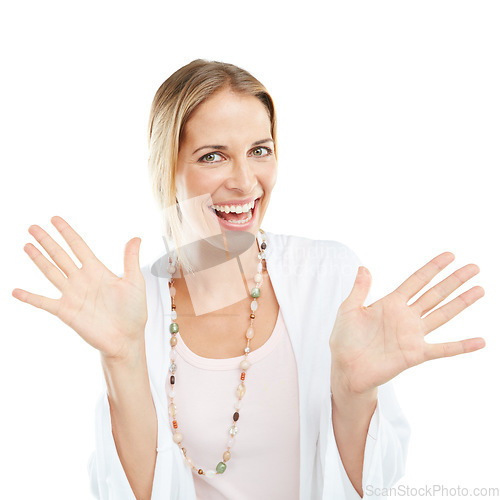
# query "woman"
(233, 315)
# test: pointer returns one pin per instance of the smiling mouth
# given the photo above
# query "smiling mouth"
(235, 214)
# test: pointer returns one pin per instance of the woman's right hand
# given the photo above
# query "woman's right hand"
(107, 311)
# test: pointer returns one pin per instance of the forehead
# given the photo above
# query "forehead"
(227, 114)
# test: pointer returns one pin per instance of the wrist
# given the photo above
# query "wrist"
(130, 354)
(345, 392)
(347, 404)
(125, 374)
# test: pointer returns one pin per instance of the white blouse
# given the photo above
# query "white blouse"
(310, 278)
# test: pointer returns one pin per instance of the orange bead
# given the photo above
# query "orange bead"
(175, 424)
(243, 376)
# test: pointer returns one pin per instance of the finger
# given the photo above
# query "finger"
(74, 240)
(447, 349)
(131, 259)
(442, 315)
(39, 301)
(424, 275)
(51, 272)
(57, 254)
(439, 292)
(361, 287)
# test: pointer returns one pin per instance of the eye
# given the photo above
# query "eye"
(208, 158)
(262, 150)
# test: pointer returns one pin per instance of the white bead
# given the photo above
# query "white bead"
(253, 305)
(172, 291)
(171, 269)
(210, 473)
(250, 333)
(245, 365)
(257, 278)
(172, 409)
(171, 394)
(177, 437)
(189, 461)
(259, 267)
(174, 315)
(173, 354)
(230, 443)
(233, 430)
(237, 405)
(240, 391)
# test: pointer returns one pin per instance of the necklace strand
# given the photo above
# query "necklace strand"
(244, 365)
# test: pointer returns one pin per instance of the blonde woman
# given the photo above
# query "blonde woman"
(242, 364)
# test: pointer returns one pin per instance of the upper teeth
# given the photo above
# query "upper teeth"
(237, 209)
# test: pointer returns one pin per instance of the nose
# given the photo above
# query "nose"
(242, 177)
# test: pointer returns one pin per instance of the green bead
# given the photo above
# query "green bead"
(174, 327)
(221, 467)
(255, 292)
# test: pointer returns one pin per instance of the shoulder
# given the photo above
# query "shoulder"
(329, 265)
(297, 248)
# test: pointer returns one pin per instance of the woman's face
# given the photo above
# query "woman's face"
(226, 165)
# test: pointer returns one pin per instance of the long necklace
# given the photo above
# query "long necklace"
(244, 365)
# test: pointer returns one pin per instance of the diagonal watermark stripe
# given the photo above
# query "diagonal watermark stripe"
(216, 254)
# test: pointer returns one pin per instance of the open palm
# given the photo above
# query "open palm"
(371, 345)
(107, 311)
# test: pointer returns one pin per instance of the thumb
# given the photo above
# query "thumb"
(131, 260)
(360, 288)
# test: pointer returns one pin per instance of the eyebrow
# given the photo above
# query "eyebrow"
(219, 146)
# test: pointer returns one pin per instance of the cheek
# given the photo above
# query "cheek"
(190, 184)
(270, 177)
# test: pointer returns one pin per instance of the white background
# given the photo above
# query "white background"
(388, 123)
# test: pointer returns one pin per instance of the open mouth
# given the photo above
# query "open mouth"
(235, 214)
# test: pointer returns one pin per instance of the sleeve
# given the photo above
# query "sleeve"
(388, 436)
(385, 452)
(172, 479)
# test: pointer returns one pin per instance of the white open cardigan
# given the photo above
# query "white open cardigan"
(310, 278)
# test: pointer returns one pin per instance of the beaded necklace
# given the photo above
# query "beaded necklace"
(244, 365)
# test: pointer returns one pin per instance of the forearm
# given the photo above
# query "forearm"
(133, 419)
(351, 415)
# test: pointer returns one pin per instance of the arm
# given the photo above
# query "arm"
(385, 450)
(351, 416)
(110, 313)
(370, 346)
(133, 418)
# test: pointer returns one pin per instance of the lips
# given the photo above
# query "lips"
(225, 219)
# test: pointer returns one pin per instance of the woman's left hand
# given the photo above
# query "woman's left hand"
(371, 345)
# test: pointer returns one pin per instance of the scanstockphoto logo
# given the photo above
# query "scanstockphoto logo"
(431, 490)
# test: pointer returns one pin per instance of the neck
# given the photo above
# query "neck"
(223, 274)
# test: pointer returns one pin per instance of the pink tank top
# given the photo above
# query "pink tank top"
(265, 456)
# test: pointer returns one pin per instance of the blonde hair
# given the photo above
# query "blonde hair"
(174, 102)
